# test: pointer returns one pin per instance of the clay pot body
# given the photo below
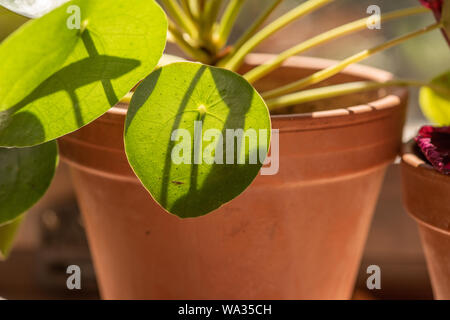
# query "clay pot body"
(426, 196)
(298, 234)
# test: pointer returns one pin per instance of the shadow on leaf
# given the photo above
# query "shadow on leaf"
(221, 175)
(95, 68)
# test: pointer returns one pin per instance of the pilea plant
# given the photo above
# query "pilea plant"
(67, 68)
(434, 142)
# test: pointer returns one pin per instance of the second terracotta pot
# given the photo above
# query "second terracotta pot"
(298, 234)
(426, 195)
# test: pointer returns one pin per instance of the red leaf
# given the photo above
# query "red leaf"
(436, 6)
(435, 145)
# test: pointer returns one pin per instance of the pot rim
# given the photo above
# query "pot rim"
(410, 157)
(412, 161)
(389, 101)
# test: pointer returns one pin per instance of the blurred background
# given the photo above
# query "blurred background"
(52, 237)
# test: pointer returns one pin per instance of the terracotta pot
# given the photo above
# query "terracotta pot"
(295, 235)
(426, 196)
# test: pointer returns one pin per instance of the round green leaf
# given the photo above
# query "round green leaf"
(435, 100)
(191, 171)
(55, 78)
(25, 175)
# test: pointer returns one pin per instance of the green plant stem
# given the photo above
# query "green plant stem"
(186, 6)
(194, 8)
(201, 5)
(208, 19)
(235, 60)
(340, 90)
(355, 26)
(333, 70)
(254, 27)
(181, 18)
(228, 20)
(185, 46)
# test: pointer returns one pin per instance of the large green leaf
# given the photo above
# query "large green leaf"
(435, 100)
(54, 79)
(8, 232)
(174, 97)
(25, 175)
